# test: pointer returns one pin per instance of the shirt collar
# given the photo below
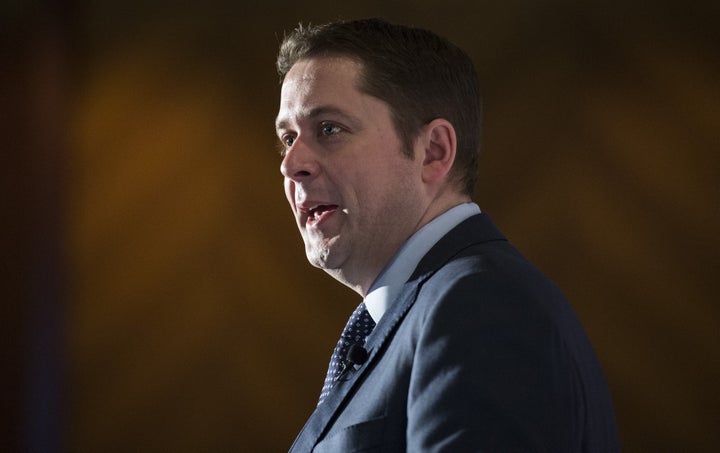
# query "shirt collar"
(387, 285)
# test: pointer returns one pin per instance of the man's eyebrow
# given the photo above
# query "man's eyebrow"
(314, 112)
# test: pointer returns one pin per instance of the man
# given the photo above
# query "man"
(461, 344)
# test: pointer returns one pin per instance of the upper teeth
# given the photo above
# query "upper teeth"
(316, 211)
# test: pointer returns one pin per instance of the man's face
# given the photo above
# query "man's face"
(356, 198)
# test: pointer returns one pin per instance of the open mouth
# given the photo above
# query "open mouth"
(320, 212)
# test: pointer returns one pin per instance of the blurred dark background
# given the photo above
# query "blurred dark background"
(155, 291)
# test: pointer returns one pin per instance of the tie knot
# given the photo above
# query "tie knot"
(358, 326)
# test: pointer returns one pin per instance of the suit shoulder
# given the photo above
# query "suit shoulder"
(491, 269)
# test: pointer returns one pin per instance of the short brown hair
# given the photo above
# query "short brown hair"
(420, 75)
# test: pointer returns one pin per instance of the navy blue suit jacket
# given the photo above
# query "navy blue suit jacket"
(479, 352)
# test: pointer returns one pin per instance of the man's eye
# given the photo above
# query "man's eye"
(329, 129)
(284, 144)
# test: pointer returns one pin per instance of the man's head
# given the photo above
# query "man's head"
(362, 174)
(420, 76)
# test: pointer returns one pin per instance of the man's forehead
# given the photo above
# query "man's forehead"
(322, 68)
(314, 85)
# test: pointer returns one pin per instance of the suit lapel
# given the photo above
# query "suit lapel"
(476, 229)
(321, 419)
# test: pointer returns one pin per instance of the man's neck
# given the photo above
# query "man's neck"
(361, 281)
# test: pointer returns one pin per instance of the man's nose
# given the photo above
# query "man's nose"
(299, 162)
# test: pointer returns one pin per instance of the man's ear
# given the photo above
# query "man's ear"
(439, 145)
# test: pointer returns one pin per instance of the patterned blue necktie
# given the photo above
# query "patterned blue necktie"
(357, 328)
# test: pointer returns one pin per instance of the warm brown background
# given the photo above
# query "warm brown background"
(156, 294)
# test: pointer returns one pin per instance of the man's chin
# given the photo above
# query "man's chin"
(319, 257)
